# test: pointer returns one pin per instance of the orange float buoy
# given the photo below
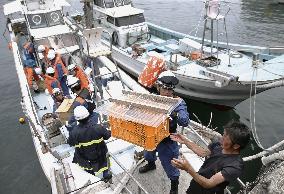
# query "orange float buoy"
(22, 120)
(10, 46)
(195, 55)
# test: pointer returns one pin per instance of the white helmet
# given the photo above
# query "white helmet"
(40, 48)
(80, 112)
(71, 67)
(50, 70)
(72, 81)
(167, 80)
(38, 71)
(56, 91)
(51, 54)
(40, 55)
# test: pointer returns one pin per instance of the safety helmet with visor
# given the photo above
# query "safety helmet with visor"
(40, 48)
(38, 71)
(51, 54)
(56, 92)
(80, 113)
(72, 81)
(50, 70)
(71, 67)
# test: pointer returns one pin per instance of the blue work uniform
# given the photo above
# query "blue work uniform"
(62, 78)
(168, 149)
(90, 147)
(27, 54)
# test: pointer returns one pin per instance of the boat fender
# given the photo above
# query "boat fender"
(22, 120)
(114, 38)
(10, 45)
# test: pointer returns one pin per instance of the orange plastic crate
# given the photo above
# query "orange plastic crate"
(145, 136)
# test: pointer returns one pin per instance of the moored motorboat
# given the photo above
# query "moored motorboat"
(209, 70)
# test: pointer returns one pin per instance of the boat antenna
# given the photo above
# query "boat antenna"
(88, 13)
(212, 12)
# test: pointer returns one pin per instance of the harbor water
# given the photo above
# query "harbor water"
(253, 22)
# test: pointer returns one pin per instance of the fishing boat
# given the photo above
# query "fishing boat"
(209, 70)
(43, 22)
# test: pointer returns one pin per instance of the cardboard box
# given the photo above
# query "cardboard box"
(65, 110)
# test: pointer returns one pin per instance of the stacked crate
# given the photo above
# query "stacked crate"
(142, 119)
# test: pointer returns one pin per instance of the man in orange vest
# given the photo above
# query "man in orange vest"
(50, 81)
(43, 49)
(29, 66)
(60, 70)
(79, 73)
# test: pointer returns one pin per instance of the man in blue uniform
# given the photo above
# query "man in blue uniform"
(168, 149)
(90, 147)
(223, 163)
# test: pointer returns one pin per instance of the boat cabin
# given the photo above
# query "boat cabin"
(42, 22)
(125, 23)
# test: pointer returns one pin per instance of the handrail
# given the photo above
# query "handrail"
(126, 171)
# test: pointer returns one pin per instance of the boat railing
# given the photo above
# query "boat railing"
(165, 33)
(276, 50)
(140, 187)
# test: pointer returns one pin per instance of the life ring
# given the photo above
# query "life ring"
(36, 19)
(55, 17)
(114, 38)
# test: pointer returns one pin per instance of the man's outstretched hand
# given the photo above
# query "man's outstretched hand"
(178, 138)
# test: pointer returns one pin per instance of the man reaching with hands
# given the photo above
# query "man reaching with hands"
(222, 164)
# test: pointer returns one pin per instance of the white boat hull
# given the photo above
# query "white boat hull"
(192, 87)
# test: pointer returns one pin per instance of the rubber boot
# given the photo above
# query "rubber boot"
(149, 166)
(107, 177)
(174, 186)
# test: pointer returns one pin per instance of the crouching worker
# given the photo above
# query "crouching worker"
(80, 74)
(58, 98)
(168, 149)
(83, 98)
(90, 147)
(50, 81)
(223, 163)
(29, 69)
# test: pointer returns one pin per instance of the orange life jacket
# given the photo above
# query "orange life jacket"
(58, 60)
(80, 74)
(48, 80)
(45, 53)
(30, 74)
(151, 71)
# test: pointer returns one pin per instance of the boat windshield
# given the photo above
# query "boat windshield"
(129, 20)
(43, 20)
(59, 42)
(122, 2)
(109, 3)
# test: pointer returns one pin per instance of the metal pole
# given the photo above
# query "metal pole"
(217, 43)
(203, 36)
(212, 25)
(88, 13)
(227, 41)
